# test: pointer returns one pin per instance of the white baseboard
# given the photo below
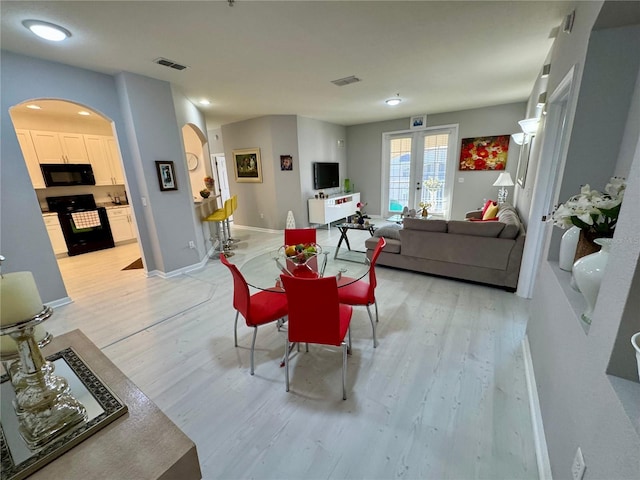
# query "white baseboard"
(542, 453)
(60, 302)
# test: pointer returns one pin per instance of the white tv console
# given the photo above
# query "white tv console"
(335, 207)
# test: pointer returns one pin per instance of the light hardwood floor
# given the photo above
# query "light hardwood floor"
(442, 397)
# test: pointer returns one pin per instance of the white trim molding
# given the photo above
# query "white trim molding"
(542, 453)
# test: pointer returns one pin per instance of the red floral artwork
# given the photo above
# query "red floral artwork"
(484, 153)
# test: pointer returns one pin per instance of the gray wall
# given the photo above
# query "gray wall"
(364, 147)
(265, 205)
(586, 379)
(143, 114)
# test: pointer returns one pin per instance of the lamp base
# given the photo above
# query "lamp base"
(502, 195)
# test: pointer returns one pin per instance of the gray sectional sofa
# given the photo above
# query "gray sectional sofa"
(488, 252)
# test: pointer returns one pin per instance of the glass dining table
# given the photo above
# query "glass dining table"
(263, 271)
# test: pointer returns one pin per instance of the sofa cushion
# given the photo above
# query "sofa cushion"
(474, 251)
(392, 246)
(476, 229)
(508, 215)
(388, 231)
(425, 225)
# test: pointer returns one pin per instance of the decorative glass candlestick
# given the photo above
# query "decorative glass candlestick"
(44, 405)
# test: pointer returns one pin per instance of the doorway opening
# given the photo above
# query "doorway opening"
(67, 138)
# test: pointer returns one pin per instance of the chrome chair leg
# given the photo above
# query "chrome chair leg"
(253, 345)
(286, 363)
(375, 302)
(373, 327)
(235, 329)
(344, 370)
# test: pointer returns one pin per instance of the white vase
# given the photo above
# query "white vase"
(568, 248)
(588, 272)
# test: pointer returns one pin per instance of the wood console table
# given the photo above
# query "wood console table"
(142, 444)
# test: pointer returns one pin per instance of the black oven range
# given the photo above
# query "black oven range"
(85, 226)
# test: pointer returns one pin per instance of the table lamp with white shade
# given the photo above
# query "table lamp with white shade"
(504, 180)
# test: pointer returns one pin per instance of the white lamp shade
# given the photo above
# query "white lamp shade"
(519, 138)
(529, 125)
(504, 180)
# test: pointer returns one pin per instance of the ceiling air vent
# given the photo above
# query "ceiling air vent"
(169, 63)
(341, 82)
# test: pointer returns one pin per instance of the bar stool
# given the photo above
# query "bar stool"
(234, 207)
(219, 217)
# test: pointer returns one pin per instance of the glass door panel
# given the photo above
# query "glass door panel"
(399, 174)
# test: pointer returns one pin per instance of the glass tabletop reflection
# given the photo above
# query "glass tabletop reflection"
(264, 270)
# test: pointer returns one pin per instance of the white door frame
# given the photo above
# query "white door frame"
(451, 163)
(556, 132)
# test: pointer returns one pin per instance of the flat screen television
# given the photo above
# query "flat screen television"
(326, 175)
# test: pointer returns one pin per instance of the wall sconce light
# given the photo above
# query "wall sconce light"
(529, 125)
(542, 99)
(546, 69)
(520, 138)
(504, 180)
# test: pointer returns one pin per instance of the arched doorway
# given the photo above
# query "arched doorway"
(72, 153)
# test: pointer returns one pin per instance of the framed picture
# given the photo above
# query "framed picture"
(484, 153)
(419, 121)
(166, 175)
(286, 162)
(523, 162)
(247, 166)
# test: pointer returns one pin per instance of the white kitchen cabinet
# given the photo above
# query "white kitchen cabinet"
(105, 159)
(121, 224)
(30, 158)
(55, 233)
(59, 147)
(327, 210)
(116, 161)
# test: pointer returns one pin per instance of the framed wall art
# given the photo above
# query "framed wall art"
(166, 175)
(484, 153)
(286, 162)
(419, 121)
(247, 165)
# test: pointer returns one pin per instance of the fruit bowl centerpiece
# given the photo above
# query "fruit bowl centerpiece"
(301, 253)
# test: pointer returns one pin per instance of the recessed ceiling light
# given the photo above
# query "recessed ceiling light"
(84, 112)
(46, 30)
(393, 101)
(33, 106)
(204, 101)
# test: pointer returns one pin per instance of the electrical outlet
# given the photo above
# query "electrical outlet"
(192, 244)
(578, 467)
(262, 215)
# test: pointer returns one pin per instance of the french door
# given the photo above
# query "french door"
(418, 168)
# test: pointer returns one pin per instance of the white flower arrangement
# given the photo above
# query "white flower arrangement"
(432, 184)
(591, 210)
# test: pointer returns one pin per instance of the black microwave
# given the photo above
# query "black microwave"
(67, 174)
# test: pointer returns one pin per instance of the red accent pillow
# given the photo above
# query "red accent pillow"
(494, 219)
(487, 205)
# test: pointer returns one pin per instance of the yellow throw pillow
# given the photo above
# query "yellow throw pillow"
(491, 212)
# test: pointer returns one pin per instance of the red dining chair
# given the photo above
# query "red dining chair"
(294, 236)
(316, 316)
(361, 292)
(258, 309)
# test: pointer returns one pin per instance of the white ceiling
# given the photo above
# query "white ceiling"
(265, 57)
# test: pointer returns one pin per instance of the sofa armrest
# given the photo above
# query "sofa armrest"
(474, 214)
